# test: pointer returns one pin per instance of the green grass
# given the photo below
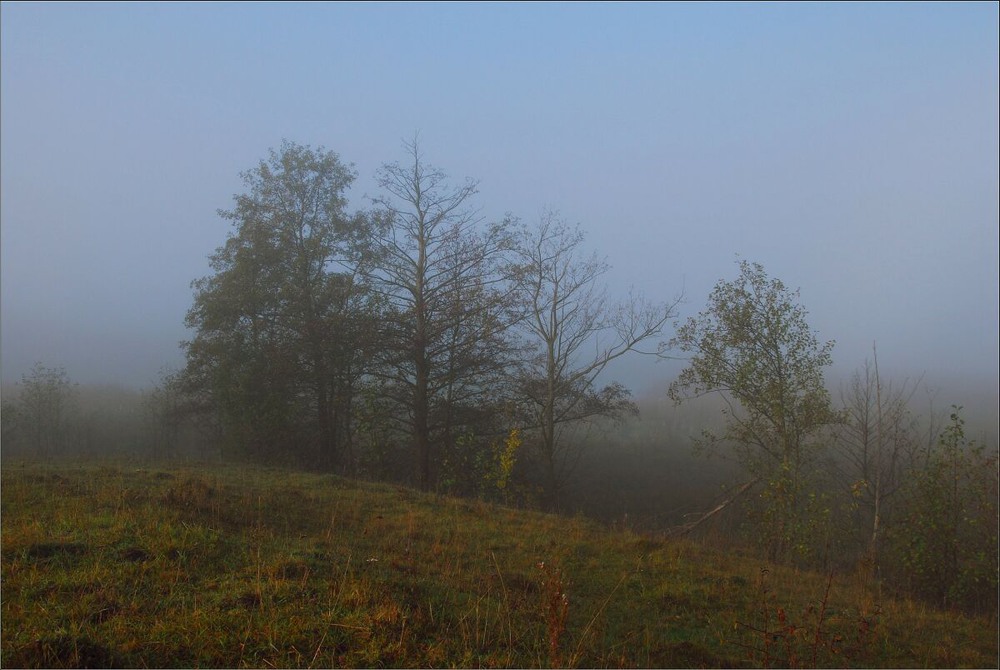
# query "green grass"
(251, 567)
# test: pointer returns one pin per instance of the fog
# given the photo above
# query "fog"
(850, 149)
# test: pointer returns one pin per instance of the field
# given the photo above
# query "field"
(250, 567)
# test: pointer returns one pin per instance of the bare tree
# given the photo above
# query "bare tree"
(438, 272)
(878, 441)
(576, 332)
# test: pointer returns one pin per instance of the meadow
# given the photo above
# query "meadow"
(122, 565)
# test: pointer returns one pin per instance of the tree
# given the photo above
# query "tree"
(42, 409)
(753, 347)
(438, 271)
(947, 537)
(166, 409)
(878, 443)
(277, 326)
(575, 333)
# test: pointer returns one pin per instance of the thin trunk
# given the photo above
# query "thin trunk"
(325, 453)
(421, 432)
(421, 408)
(873, 548)
(549, 409)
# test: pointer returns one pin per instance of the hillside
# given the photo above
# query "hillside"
(249, 567)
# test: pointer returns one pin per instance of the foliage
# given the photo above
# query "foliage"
(378, 455)
(278, 327)
(394, 342)
(506, 456)
(494, 466)
(753, 346)
(947, 539)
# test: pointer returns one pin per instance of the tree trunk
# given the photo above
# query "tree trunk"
(421, 430)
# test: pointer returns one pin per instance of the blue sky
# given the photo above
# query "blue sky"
(852, 149)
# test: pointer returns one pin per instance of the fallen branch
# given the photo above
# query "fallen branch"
(688, 527)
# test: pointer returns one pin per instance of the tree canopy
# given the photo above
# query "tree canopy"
(753, 346)
(277, 325)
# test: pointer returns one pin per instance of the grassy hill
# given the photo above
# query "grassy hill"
(249, 567)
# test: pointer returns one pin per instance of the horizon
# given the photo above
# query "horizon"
(852, 150)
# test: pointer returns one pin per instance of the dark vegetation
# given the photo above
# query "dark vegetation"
(417, 343)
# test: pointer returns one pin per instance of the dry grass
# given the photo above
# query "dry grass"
(248, 567)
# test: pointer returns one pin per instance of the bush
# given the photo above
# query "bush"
(947, 538)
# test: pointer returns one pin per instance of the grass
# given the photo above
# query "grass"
(247, 567)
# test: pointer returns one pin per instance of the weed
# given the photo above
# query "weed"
(814, 639)
(555, 609)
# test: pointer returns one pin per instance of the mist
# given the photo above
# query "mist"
(852, 150)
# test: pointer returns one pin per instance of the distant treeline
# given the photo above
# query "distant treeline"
(49, 417)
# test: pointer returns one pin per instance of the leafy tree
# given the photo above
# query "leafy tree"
(277, 326)
(947, 539)
(753, 347)
(438, 272)
(575, 332)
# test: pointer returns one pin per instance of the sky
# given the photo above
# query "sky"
(852, 149)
